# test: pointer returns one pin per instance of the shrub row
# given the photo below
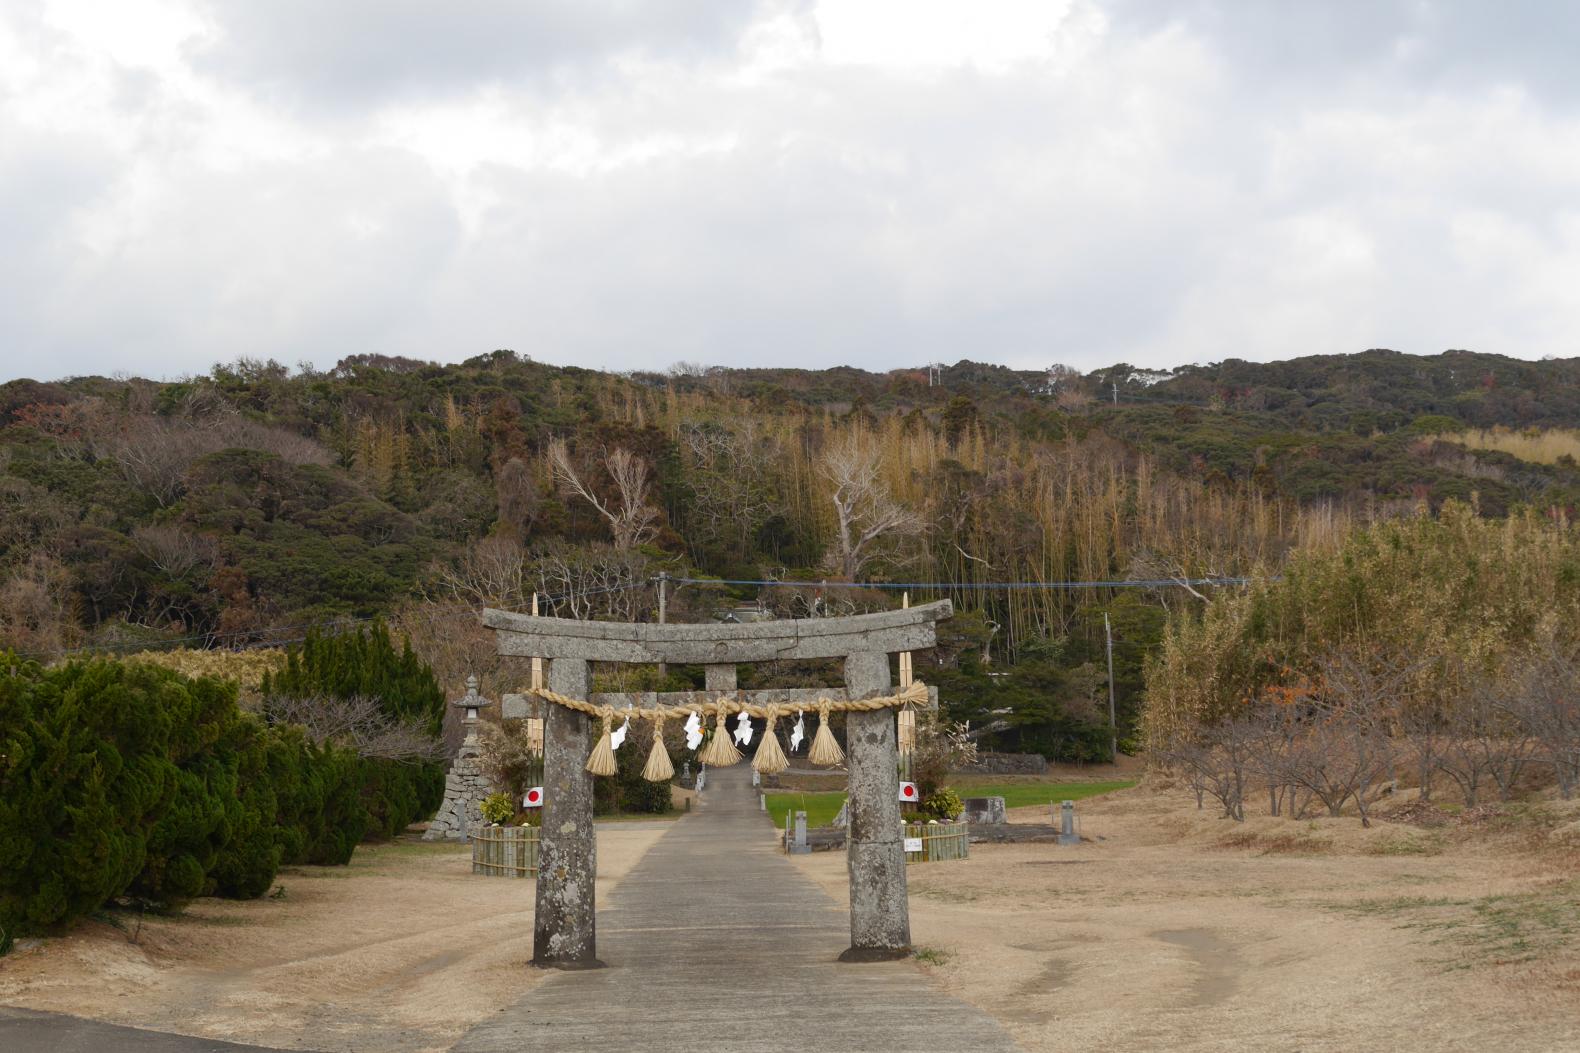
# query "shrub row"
(126, 780)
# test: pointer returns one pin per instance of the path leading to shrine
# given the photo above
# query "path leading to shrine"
(715, 941)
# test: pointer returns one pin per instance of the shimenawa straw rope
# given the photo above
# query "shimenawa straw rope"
(659, 768)
(825, 751)
(601, 762)
(770, 757)
(720, 751)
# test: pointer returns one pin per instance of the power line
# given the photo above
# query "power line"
(168, 643)
(173, 642)
(947, 586)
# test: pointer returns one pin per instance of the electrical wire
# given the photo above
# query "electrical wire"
(173, 642)
(920, 586)
(947, 586)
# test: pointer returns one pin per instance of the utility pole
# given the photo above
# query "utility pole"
(1116, 392)
(663, 611)
(1113, 724)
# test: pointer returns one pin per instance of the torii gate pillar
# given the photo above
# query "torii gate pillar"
(565, 923)
(880, 918)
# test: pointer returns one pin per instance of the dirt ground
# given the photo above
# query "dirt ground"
(1167, 929)
(1171, 929)
(402, 950)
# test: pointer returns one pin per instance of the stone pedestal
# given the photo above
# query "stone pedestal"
(880, 917)
(464, 790)
(564, 927)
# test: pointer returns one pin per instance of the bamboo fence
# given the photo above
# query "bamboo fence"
(505, 851)
(940, 841)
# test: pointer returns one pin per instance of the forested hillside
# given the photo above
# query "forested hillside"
(240, 508)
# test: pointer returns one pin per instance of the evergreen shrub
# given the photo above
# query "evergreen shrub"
(126, 780)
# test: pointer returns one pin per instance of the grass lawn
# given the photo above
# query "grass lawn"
(821, 808)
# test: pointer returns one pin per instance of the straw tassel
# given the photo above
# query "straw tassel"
(825, 751)
(601, 761)
(770, 757)
(720, 752)
(659, 768)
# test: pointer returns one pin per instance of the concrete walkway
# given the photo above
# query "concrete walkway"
(27, 1031)
(715, 941)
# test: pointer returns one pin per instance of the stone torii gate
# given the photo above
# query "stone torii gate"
(565, 922)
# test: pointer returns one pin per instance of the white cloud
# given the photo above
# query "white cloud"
(863, 181)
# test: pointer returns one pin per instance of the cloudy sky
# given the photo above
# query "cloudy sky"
(627, 183)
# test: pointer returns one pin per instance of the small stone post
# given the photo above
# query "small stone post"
(564, 927)
(1067, 834)
(880, 917)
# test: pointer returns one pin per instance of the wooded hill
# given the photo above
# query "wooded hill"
(237, 508)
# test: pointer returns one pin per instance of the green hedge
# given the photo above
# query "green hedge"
(128, 780)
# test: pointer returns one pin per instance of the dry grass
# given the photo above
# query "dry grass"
(1174, 929)
(1537, 446)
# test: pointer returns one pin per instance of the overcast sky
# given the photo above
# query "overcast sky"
(628, 183)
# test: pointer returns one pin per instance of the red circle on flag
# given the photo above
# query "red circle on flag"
(533, 796)
(910, 790)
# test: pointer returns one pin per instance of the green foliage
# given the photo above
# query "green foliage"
(362, 661)
(397, 793)
(365, 662)
(497, 807)
(626, 790)
(128, 780)
(943, 803)
(1050, 707)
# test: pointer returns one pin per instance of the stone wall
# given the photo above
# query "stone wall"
(1005, 764)
(464, 790)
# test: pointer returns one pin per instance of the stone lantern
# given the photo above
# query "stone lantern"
(466, 785)
(469, 704)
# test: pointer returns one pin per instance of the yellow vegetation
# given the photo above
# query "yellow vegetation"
(1539, 446)
(246, 668)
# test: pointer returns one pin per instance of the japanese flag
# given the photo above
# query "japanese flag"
(534, 798)
(908, 793)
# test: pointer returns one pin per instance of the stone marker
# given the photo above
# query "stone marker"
(798, 845)
(1067, 834)
(981, 811)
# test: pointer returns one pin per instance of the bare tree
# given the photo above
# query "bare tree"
(1343, 755)
(630, 516)
(518, 497)
(36, 608)
(1486, 741)
(1190, 761)
(1346, 748)
(864, 510)
(731, 480)
(154, 452)
(173, 551)
(1545, 700)
(492, 572)
(592, 582)
(358, 723)
(1279, 740)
